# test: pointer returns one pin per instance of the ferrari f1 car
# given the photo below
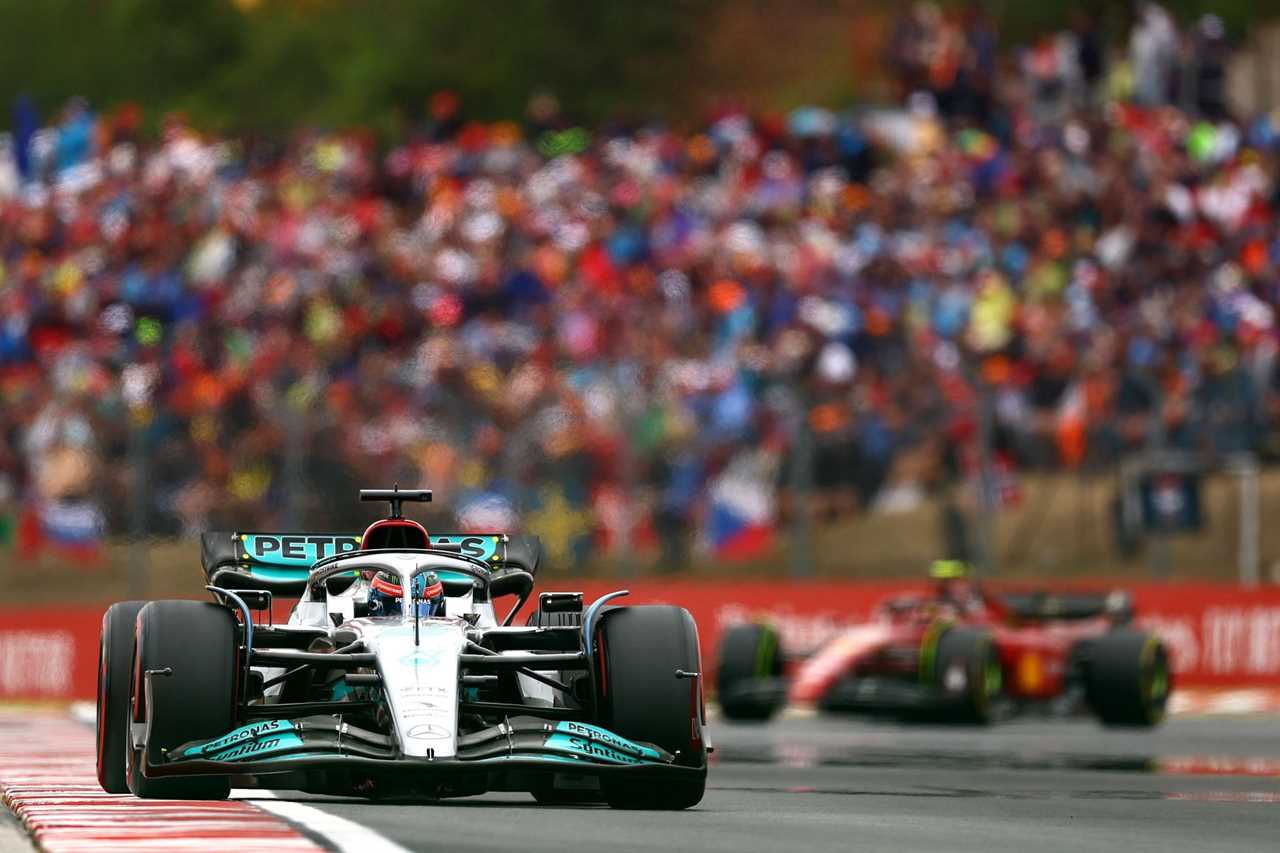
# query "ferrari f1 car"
(394, 676)
(961, 653)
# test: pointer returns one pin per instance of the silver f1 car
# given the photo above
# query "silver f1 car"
(394, 677)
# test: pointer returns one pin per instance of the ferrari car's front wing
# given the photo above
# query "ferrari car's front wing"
(863, 694)
(869, 694)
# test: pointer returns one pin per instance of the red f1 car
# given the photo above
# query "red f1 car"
(962, 653)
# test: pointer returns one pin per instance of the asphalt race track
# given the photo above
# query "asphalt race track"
(810, 784)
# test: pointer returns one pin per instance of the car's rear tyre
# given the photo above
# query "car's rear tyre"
(966, 670)
(748, 653)
(1128, 679)
(198, 642)
(115, 662)
(642, 698)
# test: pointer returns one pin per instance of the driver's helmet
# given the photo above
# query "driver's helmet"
(384, 595)
(952, 582)
(943, 570)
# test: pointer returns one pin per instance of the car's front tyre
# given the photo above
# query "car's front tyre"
(647, 657)
(967, 672)
(196, 642)
(749, 654)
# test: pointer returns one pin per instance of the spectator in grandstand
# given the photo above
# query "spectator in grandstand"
(641, 338)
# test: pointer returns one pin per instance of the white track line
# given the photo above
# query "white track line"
(344, 835)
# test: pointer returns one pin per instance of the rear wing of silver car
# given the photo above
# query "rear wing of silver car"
(281, 562)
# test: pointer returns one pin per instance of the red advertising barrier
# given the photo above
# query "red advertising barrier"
(49, 652)
(1219, 635)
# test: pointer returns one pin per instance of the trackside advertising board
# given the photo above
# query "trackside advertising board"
(1219, 635)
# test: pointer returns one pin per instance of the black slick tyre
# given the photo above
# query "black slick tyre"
(966, 670)
(748, 654)
(642, 698)
(115, 662)
(197, 641)
(1128, 680)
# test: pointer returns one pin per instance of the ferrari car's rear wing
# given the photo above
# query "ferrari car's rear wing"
(1042, 605)
(281, 562)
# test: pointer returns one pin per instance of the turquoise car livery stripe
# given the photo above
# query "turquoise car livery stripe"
(288, 557)
(589, 749)
(261, 748)
(477, 547)
(272, 573)
(538, 756)
(301, 550)
(236, 737)
(606, 738)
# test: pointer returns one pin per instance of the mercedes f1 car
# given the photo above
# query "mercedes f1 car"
(961, 653)
(394, 676)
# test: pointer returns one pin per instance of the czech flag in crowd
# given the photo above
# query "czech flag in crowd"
(740, 521)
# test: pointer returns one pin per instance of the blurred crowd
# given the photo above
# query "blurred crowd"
(629, 337)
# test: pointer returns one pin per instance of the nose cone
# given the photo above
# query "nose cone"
(818, 674)
(420, 681)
